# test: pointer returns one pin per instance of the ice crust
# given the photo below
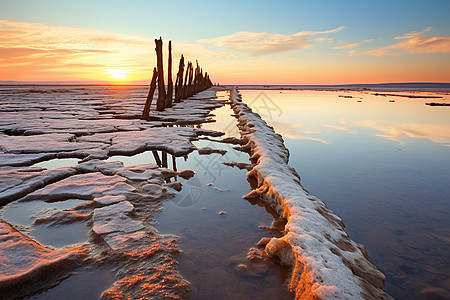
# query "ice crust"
(326, 263)
(35, 127)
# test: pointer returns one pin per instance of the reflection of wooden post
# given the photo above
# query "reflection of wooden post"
(148, 103)
(160, 104)
(174, 163)
(169, 78)
(156, 156)
(164, 159)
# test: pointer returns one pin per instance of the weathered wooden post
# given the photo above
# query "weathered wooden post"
(185, 87)
(148, 102)
(191, 76)
(160, 103)
(169, 78)
(179, 81)
(186, 84)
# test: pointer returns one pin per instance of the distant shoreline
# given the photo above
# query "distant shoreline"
(406, 87)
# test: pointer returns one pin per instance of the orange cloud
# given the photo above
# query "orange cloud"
(415, 42)
(353, 45)
(262, 43)
(322, 39)
(38, 52)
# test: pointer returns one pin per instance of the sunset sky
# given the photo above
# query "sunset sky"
(242, 42)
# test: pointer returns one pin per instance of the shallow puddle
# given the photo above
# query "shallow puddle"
(24, 213)
(58, 163)
(84, 283)
(138, 159)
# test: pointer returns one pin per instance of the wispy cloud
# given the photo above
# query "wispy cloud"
(353, 45)
(322, 39)
(415, 42)
(262, 43)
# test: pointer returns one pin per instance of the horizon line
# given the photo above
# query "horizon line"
(101, 83)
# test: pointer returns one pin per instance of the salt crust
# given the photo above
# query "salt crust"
(43, 129)
(326, 263)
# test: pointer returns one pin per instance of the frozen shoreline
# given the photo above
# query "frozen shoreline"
(326, 263)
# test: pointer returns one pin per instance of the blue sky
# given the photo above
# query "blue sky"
(369, 25)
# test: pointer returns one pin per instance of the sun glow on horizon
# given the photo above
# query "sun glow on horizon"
(118, 74)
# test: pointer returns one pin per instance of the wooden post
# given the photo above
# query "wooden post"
(148, 103)
(179, 82)
(185, 87)
(160, 104)
(191, 76)
(186, 84)
(169, 95)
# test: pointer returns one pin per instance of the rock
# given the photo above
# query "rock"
(17, 185)
(201, 131)
(176, 185)
(209, 150)
(108, 199)
(110, 168)
(120, 240)
(7, 159)
(263, 242)
(233, 140)
(62, 217)
(241, 166)
(83, 186)
(42, 143)
(115, 218)
(154, 190)
(89, 166)
(186, 174)
(141, 176)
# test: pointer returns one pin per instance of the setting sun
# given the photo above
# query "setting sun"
(117, 73)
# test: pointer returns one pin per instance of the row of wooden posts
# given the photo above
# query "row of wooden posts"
(187, 83)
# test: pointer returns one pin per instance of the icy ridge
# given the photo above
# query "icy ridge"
(326, 263)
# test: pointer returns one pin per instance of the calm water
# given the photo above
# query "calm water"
(383, 167)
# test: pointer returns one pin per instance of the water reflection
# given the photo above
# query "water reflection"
(392, 196)
(215, 245)
(437, 133)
